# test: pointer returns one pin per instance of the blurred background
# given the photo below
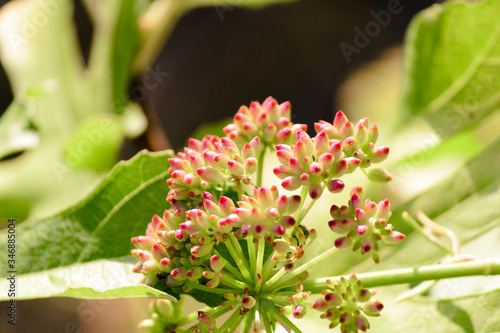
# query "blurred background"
(214, 60)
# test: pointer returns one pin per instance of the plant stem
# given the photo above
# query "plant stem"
(252, 254)
(230, 282)
(260, 166)
(201, 287)
(260, 261)
(277, 282)
(237, 253)
(282, 319)
(415, 274)
(414, 224)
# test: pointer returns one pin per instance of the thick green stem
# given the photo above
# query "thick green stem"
(415, 274)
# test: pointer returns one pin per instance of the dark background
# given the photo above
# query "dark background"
(216, 64)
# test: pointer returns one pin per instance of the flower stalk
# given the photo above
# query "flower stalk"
(416, 274)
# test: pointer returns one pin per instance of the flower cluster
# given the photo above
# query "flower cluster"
(269, 121)
(363, 224)
(336, 150)
(228, 236)
(346, 303)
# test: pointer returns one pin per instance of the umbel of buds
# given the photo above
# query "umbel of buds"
(239, 246)
(347, 303)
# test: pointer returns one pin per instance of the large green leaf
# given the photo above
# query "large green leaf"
(107, 278)
(471, 314)
(452, 65)
(101, 225)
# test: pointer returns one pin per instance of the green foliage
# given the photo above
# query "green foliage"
(100, 226)
(452, 64)
(107, 278)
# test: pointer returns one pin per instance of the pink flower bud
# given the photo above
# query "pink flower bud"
(226, 205)
(321, 142)
(384, 210)
(235, 168)
(361, 229)
(326, 160)
(346, 130)
(361, 216)
(361, 322)
(158, 251)
(299, 311)
(216, 263)
(361, 132)
(291, 183)
(352, 163)
(315, 191)
(270, 132)
(349, 145)
(342, 242)
(335, 186)
(315, 169)
(333, 299)
(320, 305)
(201, 250)
(206, 321)
(394, 238)
(143, 242)
(373, 132)
(373, 308)
(339, 120)
(284, 134)
(210, 175)
(249, 129)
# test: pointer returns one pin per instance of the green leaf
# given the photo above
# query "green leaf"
(471, 314)
(101, 225)
(17, 132)
(109, 278)
(451, 65)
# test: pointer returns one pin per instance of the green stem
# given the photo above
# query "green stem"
(282, 319)
(278, 283)
(260, 166)
(303, 197)
(237, 253)
(416, 274)
(230, 282)
(260, 261)
(268, 267)
(417, 227)
(201, 287)
(252, 254)
(212, 312)
(232, 322)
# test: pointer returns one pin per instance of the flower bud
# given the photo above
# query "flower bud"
(335, 186)
(379, 175)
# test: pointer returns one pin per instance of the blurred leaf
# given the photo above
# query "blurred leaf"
(109, 278)
(17, 132)
(472, 314)
(100, 226)
(95, 144)
(452, 64)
